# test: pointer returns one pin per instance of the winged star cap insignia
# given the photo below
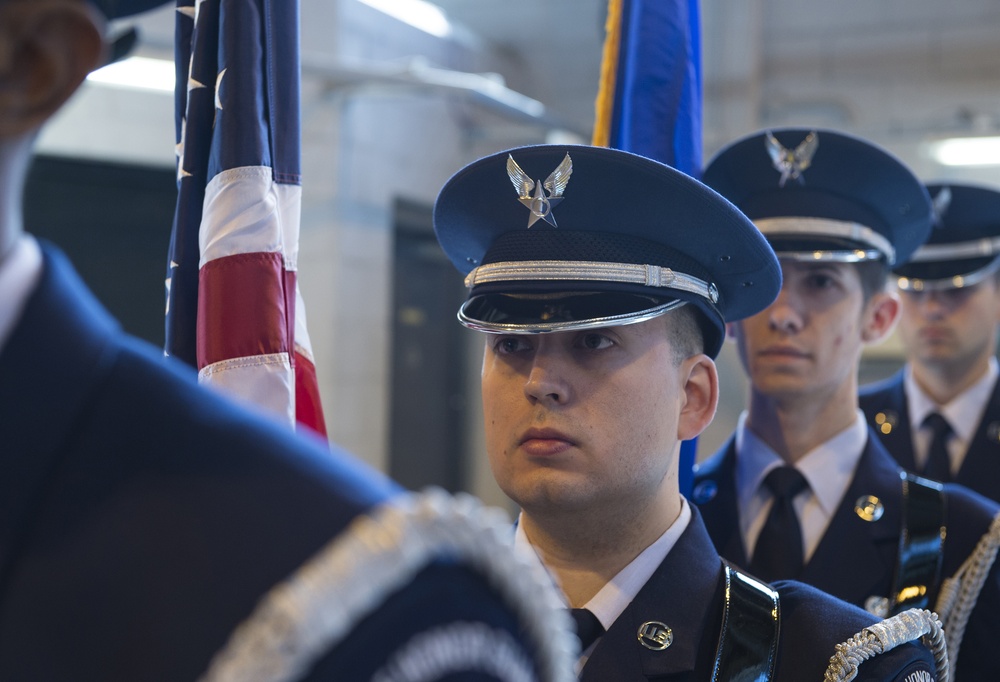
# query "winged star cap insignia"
(790, 163)
(540, 197)
(940, 204)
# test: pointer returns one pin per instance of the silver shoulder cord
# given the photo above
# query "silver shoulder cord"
(886, 635)
(960, 592)
(315, 608)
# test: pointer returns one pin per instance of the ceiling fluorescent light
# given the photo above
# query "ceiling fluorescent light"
(967, 151)
(417, 13)
(137, 73)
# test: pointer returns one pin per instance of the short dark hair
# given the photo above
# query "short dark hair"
(684, 330)
(874, 275)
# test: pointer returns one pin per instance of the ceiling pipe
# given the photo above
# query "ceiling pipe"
(486, 90)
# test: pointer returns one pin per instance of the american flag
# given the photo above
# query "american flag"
(649, 100)
(233, 305)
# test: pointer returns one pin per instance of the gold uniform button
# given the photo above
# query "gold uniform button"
(886, 421)
(869, 508)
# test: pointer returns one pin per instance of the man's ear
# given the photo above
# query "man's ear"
(880, 317)
(700, 387)
(47, 48)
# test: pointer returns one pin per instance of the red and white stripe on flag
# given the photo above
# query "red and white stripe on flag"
(234, 308)
(246, 303)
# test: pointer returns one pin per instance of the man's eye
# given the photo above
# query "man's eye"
(821, 281)
(595, 341)
(954, 297)
(510, 344)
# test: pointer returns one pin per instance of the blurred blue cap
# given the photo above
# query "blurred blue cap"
(964, 246)
(556, 238)
(824, 195)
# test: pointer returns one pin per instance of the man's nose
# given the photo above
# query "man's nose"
(547, 380)
(784, 316)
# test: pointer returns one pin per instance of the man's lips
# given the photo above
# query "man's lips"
(782, 352)
(934, 333)
(545, 441)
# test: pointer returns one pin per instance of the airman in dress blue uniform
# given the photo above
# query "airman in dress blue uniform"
(151, 530)
(602, 281)
(804, 490)
(950, 308)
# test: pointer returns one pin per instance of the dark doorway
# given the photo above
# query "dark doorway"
(427, 413)
(113, 221)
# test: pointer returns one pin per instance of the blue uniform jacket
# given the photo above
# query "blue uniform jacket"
(142, 517)
(855, 558)
(980, 470)
(686, 593)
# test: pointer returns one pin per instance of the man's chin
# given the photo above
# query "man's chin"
(549, 499)
(780, 385)
(940, 353)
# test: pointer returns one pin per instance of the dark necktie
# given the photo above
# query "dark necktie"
(938, 465)
(588, 628)
(778, 554)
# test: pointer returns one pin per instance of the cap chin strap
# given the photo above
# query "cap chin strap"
(805, 227)
(955, 282)
(565, 325)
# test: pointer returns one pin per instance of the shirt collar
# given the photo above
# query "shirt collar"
(19, 274)
(963, 412)
(620, 591)
(828, 468)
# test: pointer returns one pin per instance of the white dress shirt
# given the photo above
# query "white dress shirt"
(828, 468)
(963, 413)
(19, 275)
(620, 591)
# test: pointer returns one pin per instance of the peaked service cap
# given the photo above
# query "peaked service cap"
(563, 237)
(964, 246)
(824, 195)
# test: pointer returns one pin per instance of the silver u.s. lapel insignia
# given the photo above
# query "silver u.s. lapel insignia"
(547, 195)
(655, 635)
(791, 162)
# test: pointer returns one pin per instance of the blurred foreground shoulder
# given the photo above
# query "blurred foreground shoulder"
(424, 587)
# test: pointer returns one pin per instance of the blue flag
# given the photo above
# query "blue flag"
(650, 99)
